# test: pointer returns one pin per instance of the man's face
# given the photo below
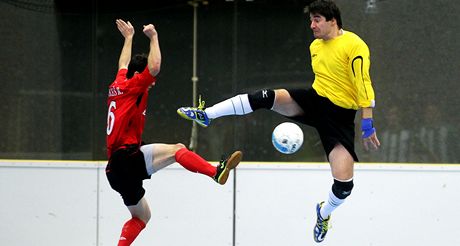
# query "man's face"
(321, 28)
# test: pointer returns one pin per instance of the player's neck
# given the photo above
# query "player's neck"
(333, 34)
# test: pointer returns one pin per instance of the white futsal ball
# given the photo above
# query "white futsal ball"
(287, 137)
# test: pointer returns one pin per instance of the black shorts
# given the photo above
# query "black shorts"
(125, 171)
(333, 123)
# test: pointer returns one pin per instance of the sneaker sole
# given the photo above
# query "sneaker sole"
(187, 118)
(232, 162)
(182, 115)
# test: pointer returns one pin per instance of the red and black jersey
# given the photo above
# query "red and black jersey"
(127, 103)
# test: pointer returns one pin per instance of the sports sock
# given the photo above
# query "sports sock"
(130, 231)
(194, 163)
(237, 105)
(332, 203)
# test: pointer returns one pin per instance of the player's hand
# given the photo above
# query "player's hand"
(150, 31)
(371, 142)
(126, 29)
(369, 134)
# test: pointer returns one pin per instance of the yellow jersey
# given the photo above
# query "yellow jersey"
(341, 67)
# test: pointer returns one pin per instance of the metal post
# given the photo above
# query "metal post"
(194, 134)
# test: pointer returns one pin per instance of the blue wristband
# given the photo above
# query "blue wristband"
(367, 127)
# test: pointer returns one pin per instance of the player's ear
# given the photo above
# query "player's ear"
(333, 21)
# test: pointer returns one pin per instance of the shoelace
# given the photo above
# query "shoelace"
(200, 103)
(223, 161)
(324, 225)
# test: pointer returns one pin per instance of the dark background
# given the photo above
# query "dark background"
(58, 57)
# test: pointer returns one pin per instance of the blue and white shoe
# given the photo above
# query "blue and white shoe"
(322, 225)
(196, 114)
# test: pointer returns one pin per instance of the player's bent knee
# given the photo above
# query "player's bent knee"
(342, 189)
(264, 98)
(174, 148)
(180, 146)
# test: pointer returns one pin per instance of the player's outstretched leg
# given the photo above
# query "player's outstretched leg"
(238, 105)
(195, 114)
(322, 225)
(227, 164)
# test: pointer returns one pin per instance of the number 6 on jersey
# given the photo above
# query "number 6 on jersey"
(111, 117)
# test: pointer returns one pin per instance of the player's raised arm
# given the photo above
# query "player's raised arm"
(154, 57)
(127, 30)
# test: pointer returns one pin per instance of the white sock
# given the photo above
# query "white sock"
(237, 105)
(332, 203)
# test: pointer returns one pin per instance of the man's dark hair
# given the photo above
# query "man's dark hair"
(137, 64)
(326, 8)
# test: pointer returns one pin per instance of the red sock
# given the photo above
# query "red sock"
(130, 230)
(195, 163)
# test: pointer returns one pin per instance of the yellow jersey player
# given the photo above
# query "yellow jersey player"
(342, 86)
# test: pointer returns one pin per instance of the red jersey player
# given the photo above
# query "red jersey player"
(129, 162)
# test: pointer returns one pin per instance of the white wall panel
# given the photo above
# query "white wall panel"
(48, 204)
(390, 205)
(187, 209)
(275, 203)
(403, 205)
(58, 203)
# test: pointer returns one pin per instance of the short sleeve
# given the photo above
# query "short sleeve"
(142, 81)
